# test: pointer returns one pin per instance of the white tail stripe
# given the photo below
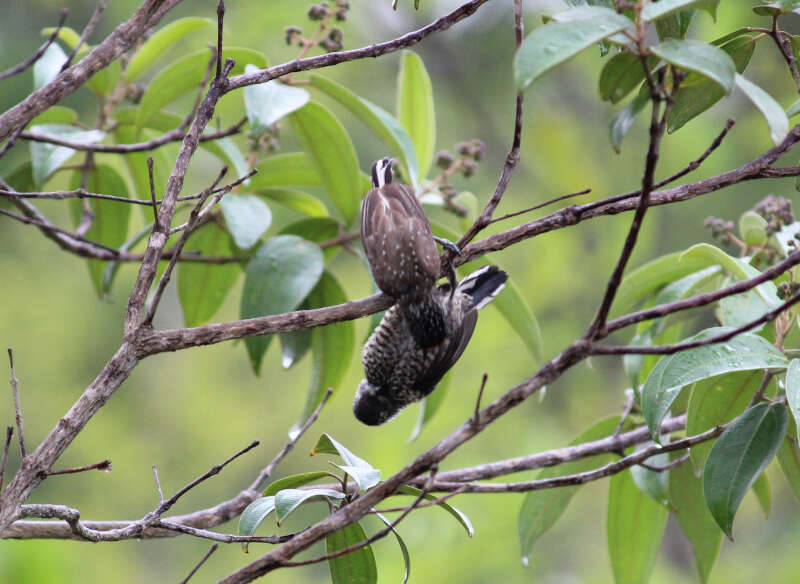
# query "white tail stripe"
(486, 300)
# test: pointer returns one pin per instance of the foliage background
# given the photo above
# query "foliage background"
(186, 411)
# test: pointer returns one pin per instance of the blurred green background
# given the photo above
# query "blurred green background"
(186, 411)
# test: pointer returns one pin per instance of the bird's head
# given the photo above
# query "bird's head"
(382, 172)
(372, 407)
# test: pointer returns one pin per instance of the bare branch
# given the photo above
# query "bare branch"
(200, 563)
(17, 408)
(103, 465)
(38, 54)
(90, 26)
(4, 461)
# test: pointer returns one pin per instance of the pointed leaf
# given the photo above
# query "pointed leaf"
(365, 478)
(462, 519)
(279, 277)
(329, 147)
(357, 567)
(266, 103)
(415, 109)
(744, 352)
(288, 500)
(295, 481)
(714, 402)
(622, 122)
(247, 218)
(688, 505)
(48, 66)
(253, 515)
(401, 543)
(771, 110)
(294, 346)
(739, 456)
(635, 525)
(203, 287)
(327, 445)
(158, 44)
(383, 124)
(46, 157)
(703, 58)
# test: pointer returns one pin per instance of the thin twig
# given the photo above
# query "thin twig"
(17, 407)
(6, 446)
(38, 54)
(476, 418)
(90, 26)
(540, 205)
(200, 563)
(152, 188)
(665, 467)
(158, 486)
(103, 465)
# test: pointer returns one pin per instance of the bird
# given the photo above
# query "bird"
(401, 251)
(398, 370)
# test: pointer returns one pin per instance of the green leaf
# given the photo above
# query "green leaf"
(700, 57)
(55, 114)
(383, 124)
(203, 287)
(330, 149)
(266, 103)
(645, 280)
(714, 402)
(228, 151)
(296, 201)
(327, 445)
(462, 519)
(294, 346)
(316, 229)
(763, 494)
(541, 509)
(771, 110)
(279, 277)
(110, 224)
(48, 66)
(744, 352)
(674, 26)
(793, 388)
(621, 75)
(253, 515)
(294, 481)
(430, 405)
(623, 120)
(288, 500)
(688, 505)
(697, 93)
(158, 44)
(752, 228)
(773, 9)
(291, 169)
(247, 218)
(66, 35)
(402, 544)
(653, 484)
(105, 80)
(364, 478)
(552, 44)
(357, 567)
(635, 525)
(789, 459)
(738, 456)
(185, 75)
(714, 256)
(331, 346)
(415, 109)
(46, 157)
(662, 8)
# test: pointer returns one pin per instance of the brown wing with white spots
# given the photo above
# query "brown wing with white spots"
(398, 241)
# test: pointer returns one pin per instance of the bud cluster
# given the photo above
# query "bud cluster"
(788, 289)
(266, 140)
(331, 37)
(720, 229)
(777, 211)
(469, 154)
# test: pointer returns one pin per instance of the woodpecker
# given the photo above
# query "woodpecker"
(401, 251)
(398, 370)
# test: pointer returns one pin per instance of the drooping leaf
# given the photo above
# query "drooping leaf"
(384, 125)
(331, 151)
(185, 75)
(430, 405)
(714, 402)
(294, 481)
(623, 120)
(202, 287)
(357, 567)
(541, 509)
(48, 66)
(279, 277)
(460, 517)
(327, 445)
(700, 57)
(763, 494)
(331, 346)
(630, 511)
(287, 500)
(771, 110)
(739, 456)
(789, 459)
(415, 109)
(266, 103)
(110, 223)
(253, 515)
(653, 484)
(294, 346)
(402, 544)
(157, 45)
(46, 157)
(550, 45)
(688, 505)
(744, 352)
(247, 218)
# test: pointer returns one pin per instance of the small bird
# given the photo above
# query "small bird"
(398, 370)
(401, 251)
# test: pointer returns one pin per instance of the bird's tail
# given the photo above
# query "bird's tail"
(483, 285)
